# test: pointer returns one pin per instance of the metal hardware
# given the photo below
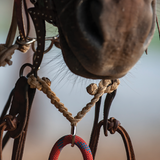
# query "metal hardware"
(73, 132)
(24, 42)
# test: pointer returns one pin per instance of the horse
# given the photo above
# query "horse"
(99, 39)
(104, 38)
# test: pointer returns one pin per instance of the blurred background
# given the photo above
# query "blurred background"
(136, 105)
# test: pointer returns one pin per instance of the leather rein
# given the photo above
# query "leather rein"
(20, 100)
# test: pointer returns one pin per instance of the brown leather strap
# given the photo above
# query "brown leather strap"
(27, 18)
(20, 22)
(19, 142)
(6, 107)
(113, 126)
(17, 125)
(39, 24)
(20, 105)
(108, 101)
(95, 138)
(1, 137)
(39, 16)
(127, 143)
(9, 123)
(13, 28)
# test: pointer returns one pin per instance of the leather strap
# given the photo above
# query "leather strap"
(20, 140)
(111, 125)
(20, 22)
(39, 16)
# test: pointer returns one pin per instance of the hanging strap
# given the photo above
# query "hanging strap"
(16, 123)
(79, 142)
(111, 125)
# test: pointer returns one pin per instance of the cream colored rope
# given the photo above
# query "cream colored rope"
(105, 86)
(6, 54)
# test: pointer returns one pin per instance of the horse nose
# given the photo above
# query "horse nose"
(118, 31)
(88, 18)
(104, 38)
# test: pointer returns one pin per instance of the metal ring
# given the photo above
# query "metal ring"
(73, 132)
(27, 41)
(52, 39)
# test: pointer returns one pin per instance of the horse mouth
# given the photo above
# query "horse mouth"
(98, 42)
(75, 65)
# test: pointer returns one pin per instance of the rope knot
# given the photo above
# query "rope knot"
(113, 125)
(92, 89)
(44, 85)
(32, 81)
(23, 46)
(105, 86)
(47, 80)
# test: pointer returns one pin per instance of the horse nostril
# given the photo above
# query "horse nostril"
(88, 14)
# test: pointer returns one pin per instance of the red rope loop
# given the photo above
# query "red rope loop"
(79, 142)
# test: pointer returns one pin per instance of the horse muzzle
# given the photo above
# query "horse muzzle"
(104, 38)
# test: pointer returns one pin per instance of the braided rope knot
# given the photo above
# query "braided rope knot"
(23, 45)
(105, 86)
(24, 48)
(113, 125)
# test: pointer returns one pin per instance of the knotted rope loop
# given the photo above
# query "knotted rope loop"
(9, 123)
(24, 45)
(105, 86)
(6, 52)
(110, 86)
(113, 125)
(24, 48)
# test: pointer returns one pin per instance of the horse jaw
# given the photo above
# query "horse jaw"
(104, 38)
